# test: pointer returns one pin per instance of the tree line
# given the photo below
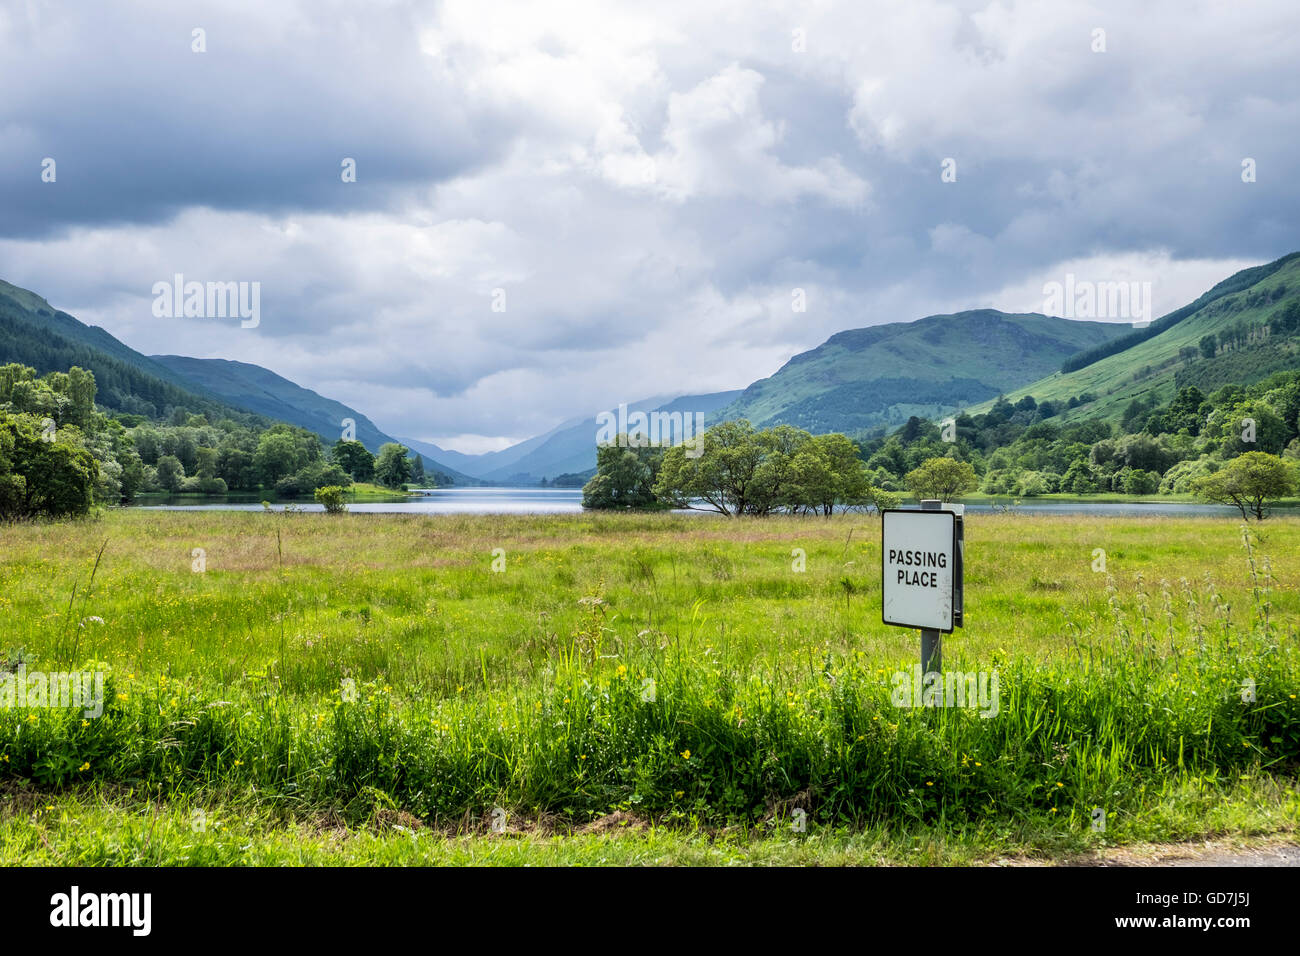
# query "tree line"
(1238, 445)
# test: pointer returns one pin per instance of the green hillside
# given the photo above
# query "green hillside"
(881, 375)
(274, 396)
(35, 334)
(1250, 342)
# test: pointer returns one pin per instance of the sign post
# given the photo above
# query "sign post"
(921, 556)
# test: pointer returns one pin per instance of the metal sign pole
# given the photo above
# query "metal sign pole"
(931, 641)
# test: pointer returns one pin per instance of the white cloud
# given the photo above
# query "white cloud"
(647, 184)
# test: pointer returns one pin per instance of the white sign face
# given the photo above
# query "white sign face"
(918, 565)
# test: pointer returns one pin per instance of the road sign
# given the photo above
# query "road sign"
(921, 567)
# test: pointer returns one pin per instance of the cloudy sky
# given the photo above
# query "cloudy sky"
(645, 183)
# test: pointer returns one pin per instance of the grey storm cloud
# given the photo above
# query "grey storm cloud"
(645, 187)
(141, 126)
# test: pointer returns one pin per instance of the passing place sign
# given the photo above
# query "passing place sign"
(919, 565)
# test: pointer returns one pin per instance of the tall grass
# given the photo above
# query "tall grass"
(770, 690)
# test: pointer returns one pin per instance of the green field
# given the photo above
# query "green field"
(367, 689)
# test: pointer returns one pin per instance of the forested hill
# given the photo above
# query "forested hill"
(1241, 332)
(884, 374)
(34, 334)
(274, 396)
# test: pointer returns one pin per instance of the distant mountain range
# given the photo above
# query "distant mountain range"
(569, 448)
(857, 381)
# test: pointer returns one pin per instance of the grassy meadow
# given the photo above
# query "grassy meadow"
(305, 688)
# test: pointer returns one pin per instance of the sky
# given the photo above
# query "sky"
(559, 207)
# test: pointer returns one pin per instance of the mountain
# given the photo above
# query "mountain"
(274, 396)
(33, 333)
(862, 379)
(1246, 316)
(570, 447)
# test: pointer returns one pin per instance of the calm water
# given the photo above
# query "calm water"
(569, 501)
(436, 501)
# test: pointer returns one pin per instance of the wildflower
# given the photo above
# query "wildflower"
(686, 755)
(239, 763)
(85, 766)
(622, 669)
(1059, 784)
(1053, 810)
(929, 783)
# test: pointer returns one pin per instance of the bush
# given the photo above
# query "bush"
(331, 496)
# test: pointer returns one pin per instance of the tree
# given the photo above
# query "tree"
(1184, 412)
(313, 475)
(775, 485)
(1031, 484)
(942, 478)
(1079, 479)
(283, 450)
(1208, 345)
(417, 470)
(1135, 481)
(625, 475)
(719, 471)
(40, 477)
(1251, 425)
(1250, 482)
(170, 473)
(392, 467)
(828, 472)
(1144, 452)
(354, 458)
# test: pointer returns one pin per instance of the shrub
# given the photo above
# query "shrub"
(331, 496)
